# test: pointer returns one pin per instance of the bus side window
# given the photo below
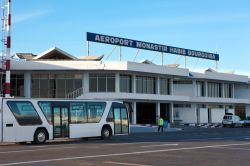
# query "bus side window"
(78, 113)
(95, 111)
(24, 112)
(110, 117)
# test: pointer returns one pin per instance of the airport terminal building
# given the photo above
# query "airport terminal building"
(150, 90)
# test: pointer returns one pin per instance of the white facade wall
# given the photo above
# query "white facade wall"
(231, 111)
(217, 115)
(27, 84)
(185, 115)
(181, 93)
(203, 112)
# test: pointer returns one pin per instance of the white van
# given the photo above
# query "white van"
(231, 120)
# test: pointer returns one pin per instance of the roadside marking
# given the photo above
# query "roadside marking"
(131, 143)
(31, 150)
(204, 139)
(232, 148)
(119, 154)
(247, 138)
(159, 145)
(118, 163)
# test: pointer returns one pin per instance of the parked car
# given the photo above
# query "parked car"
(232, 120)
(246, 122)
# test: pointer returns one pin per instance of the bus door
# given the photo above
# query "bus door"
(60, 121)
(121, 122)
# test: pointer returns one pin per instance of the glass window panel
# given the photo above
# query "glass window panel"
(93, 84)
(93, 75)
(52, 76)
(52, 93)
(164, 86)
(95, 111)
(60, 93)
(69, 76)
(44, 93)
(124, 118)
(60, 76)
(102, 84)
(35, 93)
(111, 84)
(139, 85)
(117, 119)
(35, 76)
(78, 83)
(144, 85)
(110, 117)
(44, 84)
(60, 84)
(35, 84)
(44, 76)
(20, 76)
(78, 113)
(46, 109)
(52, 84)
(70, 84)
(78, 76)
(24, 112)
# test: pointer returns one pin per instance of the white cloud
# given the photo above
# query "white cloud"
(28, 16)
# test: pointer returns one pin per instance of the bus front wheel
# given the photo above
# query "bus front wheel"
(40, 136)
(106, 133)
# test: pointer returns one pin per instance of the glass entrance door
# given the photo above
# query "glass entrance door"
(121, 121)
(60, 122)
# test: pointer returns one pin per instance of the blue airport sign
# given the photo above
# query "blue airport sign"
(94, 37)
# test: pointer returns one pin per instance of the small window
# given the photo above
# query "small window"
(24, 113)
(95, 111)
(78, 113)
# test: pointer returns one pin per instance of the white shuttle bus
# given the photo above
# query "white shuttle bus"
(38, 120)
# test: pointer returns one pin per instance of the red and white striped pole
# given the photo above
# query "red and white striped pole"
(7, 80)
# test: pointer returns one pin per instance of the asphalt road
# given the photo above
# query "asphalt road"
(192, 146)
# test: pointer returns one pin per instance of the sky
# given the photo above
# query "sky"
(217, 26)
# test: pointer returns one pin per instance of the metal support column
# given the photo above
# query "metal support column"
(120, 54)
(88, 48)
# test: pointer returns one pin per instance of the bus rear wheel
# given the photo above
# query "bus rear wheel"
(106, 133)
(40, 136)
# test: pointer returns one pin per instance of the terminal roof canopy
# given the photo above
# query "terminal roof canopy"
(55, 53)
(28, 56)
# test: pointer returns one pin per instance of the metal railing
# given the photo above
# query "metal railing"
(76, 93)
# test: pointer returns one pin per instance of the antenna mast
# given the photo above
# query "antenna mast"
(6, 43)
(7, 79)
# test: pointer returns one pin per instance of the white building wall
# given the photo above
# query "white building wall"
(134, 113)
(186, 115)
(217, 115)
(27, 84)
(183, 89)
(85, 83)
(231, 111)
(203, 115)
